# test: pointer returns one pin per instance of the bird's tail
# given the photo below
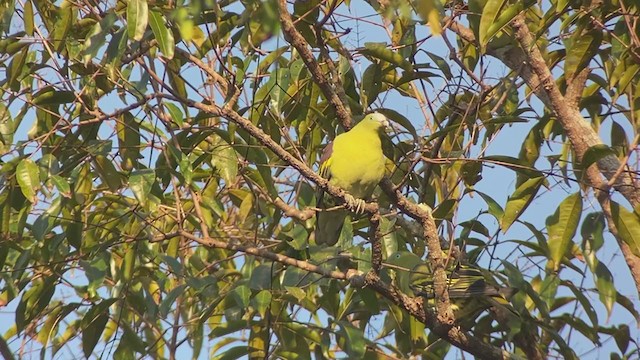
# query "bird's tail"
(329, 226)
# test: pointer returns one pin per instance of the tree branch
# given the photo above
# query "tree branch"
(413, 306)
(582, 136)
(263, 253)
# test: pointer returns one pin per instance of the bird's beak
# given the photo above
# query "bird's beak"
(382, 119)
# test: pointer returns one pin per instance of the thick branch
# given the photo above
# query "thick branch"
(263, 253)
(444, 325)
(413, 306)
(579, 132)
(453, 334)
(538, 76)
(582, 136)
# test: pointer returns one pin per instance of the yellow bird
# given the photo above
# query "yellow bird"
(355, 163)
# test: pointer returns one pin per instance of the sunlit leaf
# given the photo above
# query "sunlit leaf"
(628, 226)
(261, 302)
(140, 183)
(162, 33)
(382, 52)
(562, 226)
(490, 13)
(28, 177)
(429, 12)
(137, 18)
(519, 201)
(582, 48)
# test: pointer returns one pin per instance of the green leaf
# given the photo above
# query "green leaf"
(95, 321)
(429, 12)
(62, 27)
(96, 270)
(626, 303)
(476, 226)
(128, 130)
(592, 231)
(471, 172)
(28, 177)
(261, 302)
(628, 226)
(445, 210)
(176, 113)
(237, 352)
(137, 18)
(518, 165)
(28, 17)
(580, 50)
(162, 33)
(225, 160)
(489, 16)
(584, 301)
(519, 201)
(14, 72)
(261, 278)
(297, 292)
(627, 77)
(241, 295)
(52, 96)
(399, 119)
(83, 183)
(353, 342)
(371, 84)
(169, 302)
(108, 173)
(622, 337)
(505, 17)
(389, 239)
(140, 183)
(606, 288)
(562, 226)
(494, 208)
(97, 37)
(382, 52)
(345, 240)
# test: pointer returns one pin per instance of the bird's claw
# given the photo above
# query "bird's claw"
(357, 204)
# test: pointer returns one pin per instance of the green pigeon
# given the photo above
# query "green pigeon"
(355, 163)
(471, 291)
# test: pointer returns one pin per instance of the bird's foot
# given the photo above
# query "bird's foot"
(353, 202)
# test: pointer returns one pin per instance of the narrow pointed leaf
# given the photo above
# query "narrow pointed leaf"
(628, 226)
(28, 178)
(562, 226)
(137, 18)
(162, 33)
(519, 201)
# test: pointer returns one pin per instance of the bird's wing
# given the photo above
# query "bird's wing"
(325, 161)
(328, 224)
(325, 172)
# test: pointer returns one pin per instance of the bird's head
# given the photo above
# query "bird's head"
(379, 118)
(375, 121)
